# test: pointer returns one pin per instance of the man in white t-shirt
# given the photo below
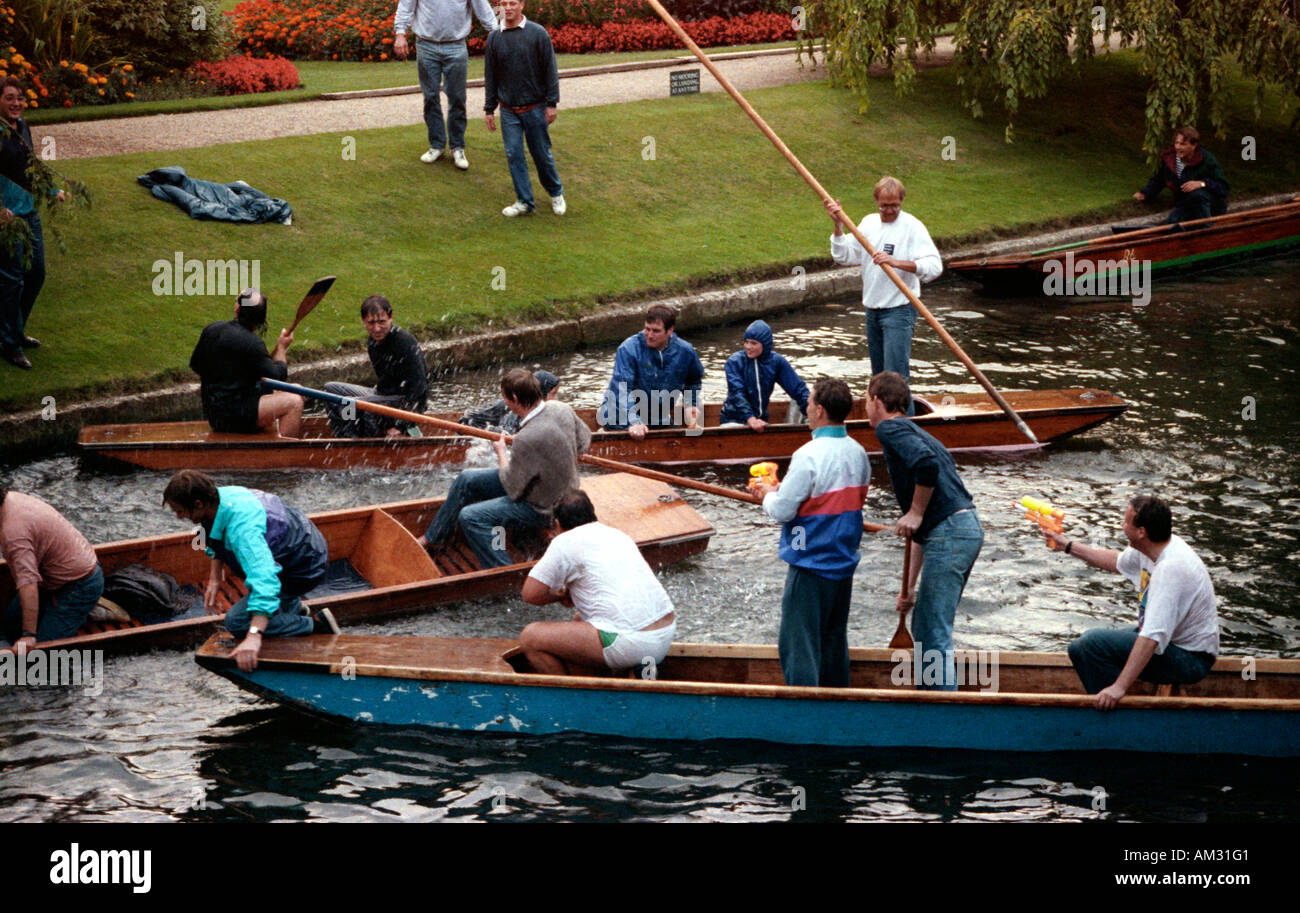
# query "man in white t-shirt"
(1176, 638)
(623, 616)
(901, 241)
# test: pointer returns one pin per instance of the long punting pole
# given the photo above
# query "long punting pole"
(469, 431)
(848, 223)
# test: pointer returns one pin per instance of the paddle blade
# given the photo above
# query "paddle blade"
(902, 639)
(313, 298)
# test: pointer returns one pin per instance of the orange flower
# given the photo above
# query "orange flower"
(130, 95)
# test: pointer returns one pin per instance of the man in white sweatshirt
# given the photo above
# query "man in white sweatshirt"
(902, 242)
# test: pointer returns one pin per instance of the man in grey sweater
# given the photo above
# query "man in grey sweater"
(520, 73)
(440, 28)
(530, 479)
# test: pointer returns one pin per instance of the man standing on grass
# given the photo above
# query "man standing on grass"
(520, 73)
(442, 59)
(901, 241)
(819, 503)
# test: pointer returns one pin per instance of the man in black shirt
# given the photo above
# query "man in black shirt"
(519, 71)
(231, 360)
(400, 368)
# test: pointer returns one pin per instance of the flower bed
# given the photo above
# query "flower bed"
(242, 75)
(363, 29)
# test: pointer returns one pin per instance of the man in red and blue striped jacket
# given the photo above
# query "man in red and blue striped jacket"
(819, 504)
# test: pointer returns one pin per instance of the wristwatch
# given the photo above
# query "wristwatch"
(31, 634)
(257, 631)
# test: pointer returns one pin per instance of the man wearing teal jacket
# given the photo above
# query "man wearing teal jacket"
(276, 549)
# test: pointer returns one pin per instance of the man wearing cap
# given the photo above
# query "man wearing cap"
(440, 27)
(498, 417)
(231, 360)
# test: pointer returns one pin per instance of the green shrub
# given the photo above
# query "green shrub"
(159, 36)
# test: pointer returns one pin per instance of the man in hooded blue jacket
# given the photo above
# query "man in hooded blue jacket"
(656, 380)
(751, 375)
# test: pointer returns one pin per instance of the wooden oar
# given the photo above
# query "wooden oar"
(313, 298)
(902, 639)
(848, 223)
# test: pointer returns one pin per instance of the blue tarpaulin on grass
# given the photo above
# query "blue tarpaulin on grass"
(235, 202)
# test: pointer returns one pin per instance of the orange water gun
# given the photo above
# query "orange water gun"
(762, 474)
(1044, 514)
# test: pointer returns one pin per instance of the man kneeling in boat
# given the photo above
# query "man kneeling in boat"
(623, 617)
(531, 477)
(656, 380)
(752, 373)
(231, 360)
(402, 378)
(1176, 638)
(276, 549)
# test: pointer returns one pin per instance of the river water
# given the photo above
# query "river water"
(1209, 367)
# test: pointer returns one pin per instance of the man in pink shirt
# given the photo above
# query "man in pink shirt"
(55, 571)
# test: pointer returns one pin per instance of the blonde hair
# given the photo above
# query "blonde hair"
(889, 184)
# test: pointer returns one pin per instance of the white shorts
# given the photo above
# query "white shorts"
(634, 648)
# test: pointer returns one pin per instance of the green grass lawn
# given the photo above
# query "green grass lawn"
(321, 76)
(716, 204)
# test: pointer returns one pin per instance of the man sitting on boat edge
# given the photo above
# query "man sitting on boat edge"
(758, 362)
(401, 377)
(623, 616)
(1193, 175)
(530, 479)
(276, 549)
(1176, 638)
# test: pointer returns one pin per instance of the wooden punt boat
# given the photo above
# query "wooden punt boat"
(378, 569)
(1171, 250)
(963, 421)
(736, 692)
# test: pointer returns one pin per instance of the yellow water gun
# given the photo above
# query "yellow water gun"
(762, 474)
(1044, 514)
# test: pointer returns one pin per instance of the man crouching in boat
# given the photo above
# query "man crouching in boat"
(402, 377)
(623, 617)
(278, 551)
(1193, 175)
(1176, 638)
(531, 477)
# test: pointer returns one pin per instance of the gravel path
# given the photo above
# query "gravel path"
(209, 128)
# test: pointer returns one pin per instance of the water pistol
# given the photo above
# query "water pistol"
(1044, 514)
(762, 474)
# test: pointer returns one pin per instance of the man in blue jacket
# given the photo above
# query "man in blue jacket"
(751, 375)
(656, 380)
(276, 549)
(939, 515)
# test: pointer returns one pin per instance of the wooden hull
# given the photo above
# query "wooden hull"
(397, 575)
(1213, 242)
(736, 692)
(961, 422)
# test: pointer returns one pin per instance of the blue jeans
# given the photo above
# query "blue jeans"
(478, 501)
(889, 341)
(19, 287)
(813, 644)
(950, 551)
(62, 612)
(1100, 654)
(530, 126)
(1199, 204)
(287, 621)
(445, 65)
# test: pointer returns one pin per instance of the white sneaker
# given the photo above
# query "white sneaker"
(458, 156)
(557, 205)
(431, 156)
(517, 208)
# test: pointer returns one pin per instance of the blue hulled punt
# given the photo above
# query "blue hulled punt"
(736, 692)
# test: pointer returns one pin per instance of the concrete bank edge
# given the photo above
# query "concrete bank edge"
(25, 434)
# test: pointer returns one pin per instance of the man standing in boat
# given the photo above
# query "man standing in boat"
(231, 360)
(656, 381)
(1176, 638)
(402, 377)
(751, 375)
(276, 549)
(939, 515)
(819, 503)
(1193, 175)
(531, 477)
(901, 241)
(623, 617)
(55, 571)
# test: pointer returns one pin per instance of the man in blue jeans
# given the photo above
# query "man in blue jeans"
(940, 516)
(55, 571)
(440, 27)
(1176, 638)
(520, 73)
